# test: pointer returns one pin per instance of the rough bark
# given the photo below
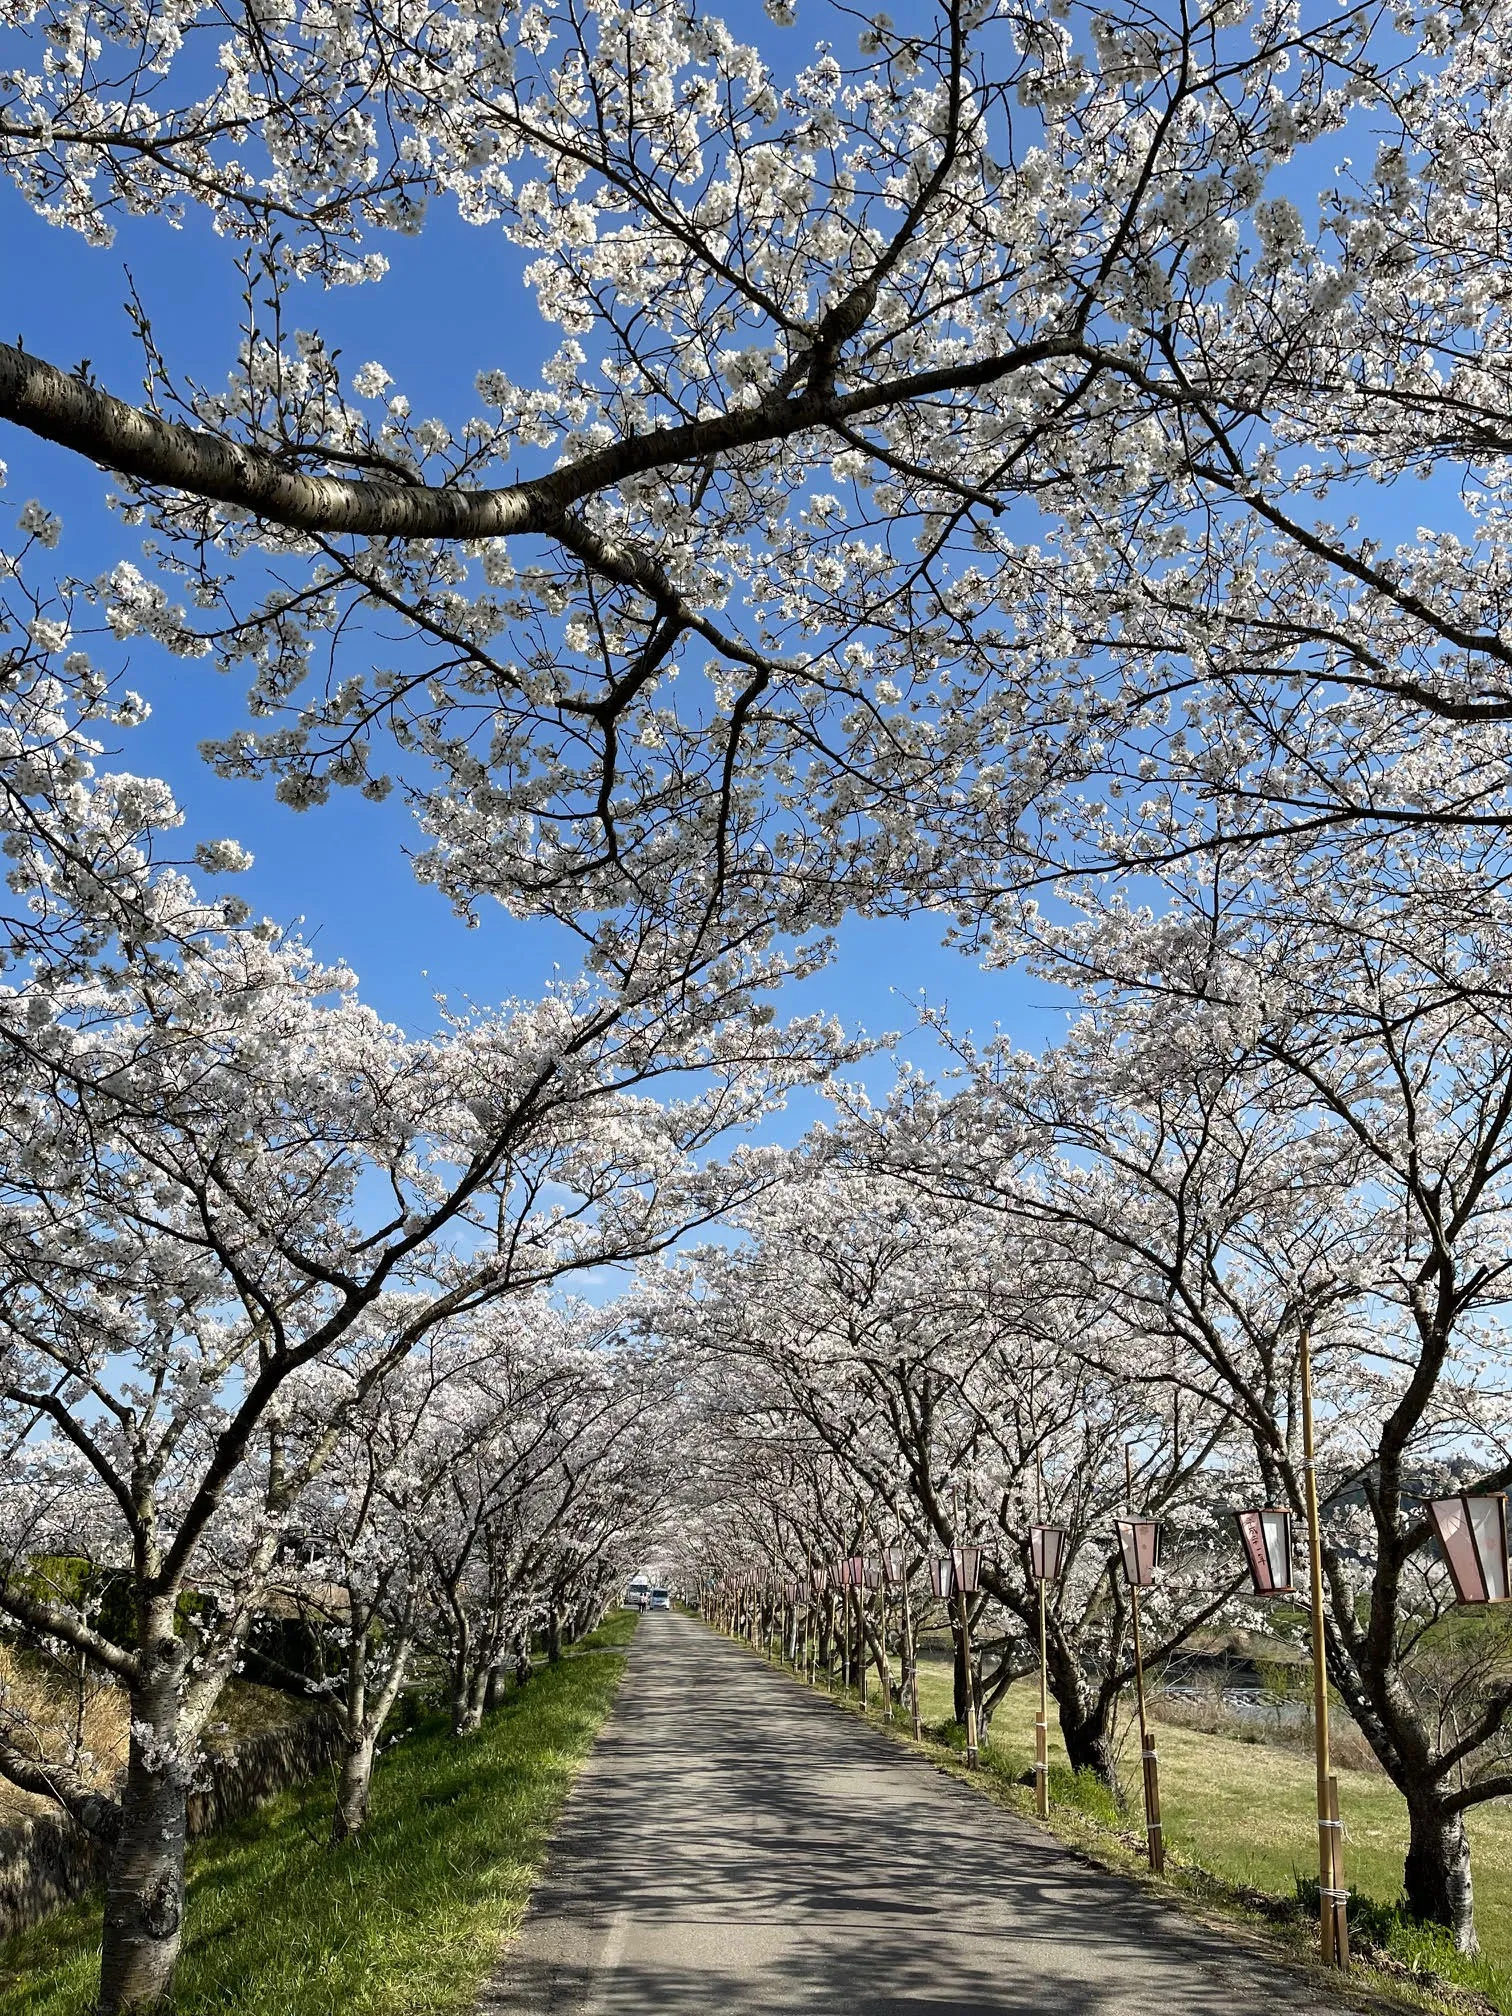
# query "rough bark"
(97, 1812)
(469, 1698)
(1436, 1880)
(1089, 1743)
(67, 408)
(354, 1789)
(144, 1892)
(554, 1634)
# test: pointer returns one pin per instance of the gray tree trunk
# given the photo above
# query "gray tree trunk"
(1437, 1875)
(354, 1791)
(144, 1892)
(1089, 1747)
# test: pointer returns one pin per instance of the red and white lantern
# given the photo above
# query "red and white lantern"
(1139, 1542)
(1265, 1531)
(1047, 1552)
(1473, 1535)
(966, 1569)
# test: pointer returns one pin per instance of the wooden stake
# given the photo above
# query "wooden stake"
(1340, 1888)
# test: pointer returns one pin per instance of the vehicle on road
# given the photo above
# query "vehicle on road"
(660, 1600)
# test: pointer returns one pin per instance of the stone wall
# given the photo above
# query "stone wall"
(48, 1861)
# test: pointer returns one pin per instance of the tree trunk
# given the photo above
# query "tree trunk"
(469, 1695)
(354, 1790)
(1437, 1876)
(144, 1894)
(908, 1655)
(554, 1634)
(1089, 1745)
(465, 1713)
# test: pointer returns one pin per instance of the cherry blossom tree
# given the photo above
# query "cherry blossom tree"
(228, 1193)
(916, 1360)
(1288, 1110)
(920, 486)
(546, 1488)
(353, 1564)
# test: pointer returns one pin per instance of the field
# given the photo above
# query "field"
(407, 1921)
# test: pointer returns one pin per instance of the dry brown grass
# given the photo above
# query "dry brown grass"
(1214, 1717)
(80, 1722)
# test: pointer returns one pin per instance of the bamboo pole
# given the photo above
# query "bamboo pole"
(1041, 1724)
(911, 1648)
(958, 1551)
(807, 1669)
(1041, 1727)
(882, 1613)
(861, 1618)
(1333, 1925)
(971, 1719)
(1149, 1762)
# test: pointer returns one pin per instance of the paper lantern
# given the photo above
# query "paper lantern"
(1473, 1535)
(966, 1568)
(1139, 1541)
(1265, 1531)
(1047, 1552)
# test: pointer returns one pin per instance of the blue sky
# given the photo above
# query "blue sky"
(451, 305)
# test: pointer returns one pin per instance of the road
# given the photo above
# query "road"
(738, 1846)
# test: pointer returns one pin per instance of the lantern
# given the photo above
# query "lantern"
(1139, 1541)
(840, 1575)
(966, 1568)
(819, 1576)
(942, 1577)
(1266, 1534)
(873, 1575)
(892, 1567)
(1473, 1535)
(857, 1567)
(1047, 1552)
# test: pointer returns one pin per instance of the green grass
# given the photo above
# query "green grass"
(406, 1921)
(1244, 1813)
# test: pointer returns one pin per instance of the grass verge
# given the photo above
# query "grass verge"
(1240, 1837)
(406, 1921)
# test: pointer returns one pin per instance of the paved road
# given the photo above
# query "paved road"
(736, 1845)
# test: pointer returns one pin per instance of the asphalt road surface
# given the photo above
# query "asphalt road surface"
(737, 1846)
